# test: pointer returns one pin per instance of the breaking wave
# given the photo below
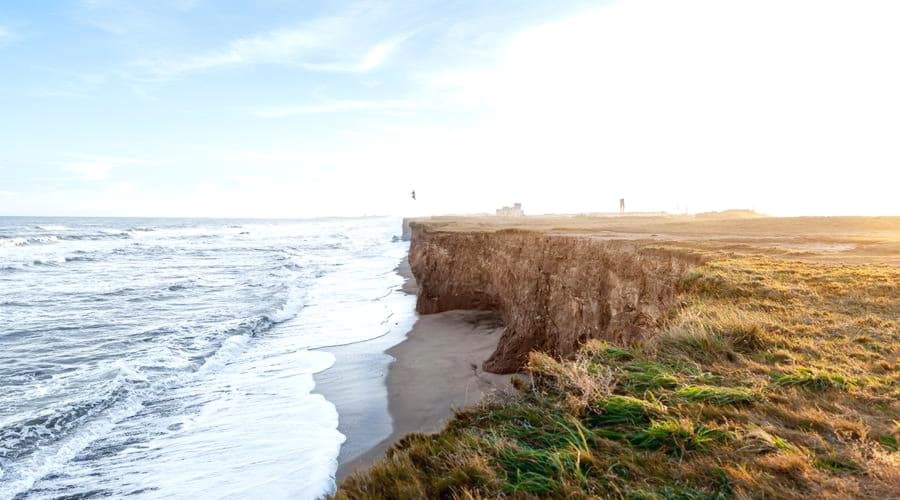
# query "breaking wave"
(131, 348)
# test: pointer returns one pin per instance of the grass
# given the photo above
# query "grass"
(889, 442)
(677, 436)
(642, 376)
(773, 378)
(717, 395)
(624, 410)
(812, 379)
(838, 465)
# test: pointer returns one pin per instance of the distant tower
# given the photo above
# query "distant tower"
(621, 206)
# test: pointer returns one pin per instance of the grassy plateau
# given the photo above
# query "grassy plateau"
(775, 376)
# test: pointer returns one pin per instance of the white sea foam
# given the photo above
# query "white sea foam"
(210, 388)
(233, 347)
(291, 307)
(21, 477)
(48, 260)
(13, 242)
(23, 241)
(263, 419)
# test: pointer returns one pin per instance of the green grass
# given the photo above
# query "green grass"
(642, 376)
(616, 410)
(717, 395)
(889, 442)
(603, 352)
(530, 471)
(675, 492)
(838, 465)
(677, 436)
(812, 379)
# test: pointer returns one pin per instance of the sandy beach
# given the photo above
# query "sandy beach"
(409, 380)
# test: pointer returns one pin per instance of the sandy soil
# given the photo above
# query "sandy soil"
(435, 370)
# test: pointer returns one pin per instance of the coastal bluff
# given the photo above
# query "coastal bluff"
(663, 342)
(553, 292)
(559, 281)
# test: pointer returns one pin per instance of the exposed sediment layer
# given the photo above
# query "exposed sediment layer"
(553, 292)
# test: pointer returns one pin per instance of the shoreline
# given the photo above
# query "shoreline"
(355, 384)
(436, 369)
(422, 370)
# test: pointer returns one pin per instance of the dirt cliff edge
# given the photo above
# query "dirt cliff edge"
(553, 292)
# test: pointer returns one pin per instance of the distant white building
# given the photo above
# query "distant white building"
(513, 211)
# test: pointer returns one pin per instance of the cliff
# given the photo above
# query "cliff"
(554, 292)
(793, 321)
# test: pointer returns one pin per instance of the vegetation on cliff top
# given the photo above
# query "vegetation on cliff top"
(773, 378)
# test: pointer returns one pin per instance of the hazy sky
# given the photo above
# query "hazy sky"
(287, 108)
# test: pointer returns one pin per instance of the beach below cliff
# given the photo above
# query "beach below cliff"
(409, 380)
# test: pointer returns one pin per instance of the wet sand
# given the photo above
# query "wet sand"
(422, 376)
(357, 382)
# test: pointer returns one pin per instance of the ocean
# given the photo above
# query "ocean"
(164, 358)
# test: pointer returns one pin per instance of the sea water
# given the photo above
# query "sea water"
(164, 358)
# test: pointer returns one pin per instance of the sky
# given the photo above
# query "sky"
(280, 108)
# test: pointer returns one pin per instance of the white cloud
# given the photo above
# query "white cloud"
(6, 36)
(116, 17)
(337, 107)
(278, 46)
(125, 17)
(68, 84)
(95, 168)
(374, 57)
(89, 171)
(789, 106)
(186, 5)
(291, 47)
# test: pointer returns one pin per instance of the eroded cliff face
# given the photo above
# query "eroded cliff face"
(553, 292)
